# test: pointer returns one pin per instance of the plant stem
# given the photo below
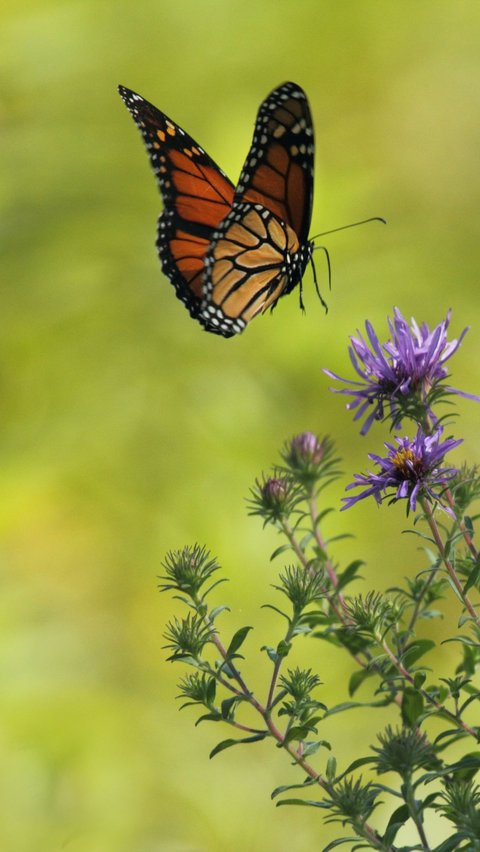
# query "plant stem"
(419, 600)
(340, 613)
(423, 692)
(365, 831)
(427, 508)
(461, 525)
(414, 813)
(313, 508)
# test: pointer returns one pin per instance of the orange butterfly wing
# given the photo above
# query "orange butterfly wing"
(278, 171)
(196, 194)
(261, 248)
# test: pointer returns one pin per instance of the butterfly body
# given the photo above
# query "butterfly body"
(232, 252)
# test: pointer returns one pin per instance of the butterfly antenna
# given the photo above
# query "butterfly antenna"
(344, 227)
(329, 267)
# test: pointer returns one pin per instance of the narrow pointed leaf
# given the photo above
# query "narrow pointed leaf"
(339, 842)
(237, 641)
(472, 579)
(275, 609)
(217, 610)
(283, 789)
(397, 819)
(450, 844)
(228, 705)
(229, 743)
(412, 706)
(209, 717)
(307, 803)
(331, 768)
(357, 679)
(349, 574)
(282, 549)
(415, 650)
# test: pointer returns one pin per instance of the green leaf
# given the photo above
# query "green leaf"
(357, 679)
(454, 589)
(412, 706)
(323, 514)
(283, 649)
(229, 743)
(419, 679)
(237, 641)
(211, 690)
(339, 842)
(283, 789)
(360, 761)
(472, 578)
(467, 766)
(462, 767)
(271, 652)
(331, 769)
(185, 658)
(305, 541)
(349, 574)
(209, 717)
(299, 732)
(312, 747)
(350, 705)
(217, 610)
(275, 609)
(415, 650)
(464, 640)
(450, 843)
(397, 819)
(429, 801)
(228, 705)
(282, 549)
(307, 803)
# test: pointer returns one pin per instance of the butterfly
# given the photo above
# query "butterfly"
(232, 252)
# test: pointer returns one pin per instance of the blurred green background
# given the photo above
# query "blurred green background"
(126, 430)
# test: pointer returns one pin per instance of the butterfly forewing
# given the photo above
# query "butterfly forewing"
(196, 194)
(278, 171)
(260, 251)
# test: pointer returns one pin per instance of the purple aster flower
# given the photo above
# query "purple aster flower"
(309, 459)
(411, 468)
(402, 374)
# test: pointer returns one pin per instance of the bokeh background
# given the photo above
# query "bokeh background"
(126, 430)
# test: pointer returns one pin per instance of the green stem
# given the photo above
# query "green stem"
(427, 508)
(419, 600)
(461, 525)
(382, 642)
(313, 508)
(277, 667)
(414, 812)
(365, 830)
(340, 613)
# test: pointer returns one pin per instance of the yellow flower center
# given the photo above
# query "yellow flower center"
(401, 459)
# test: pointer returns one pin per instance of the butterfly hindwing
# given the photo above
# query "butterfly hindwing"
(196, 195)
(253, 259)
